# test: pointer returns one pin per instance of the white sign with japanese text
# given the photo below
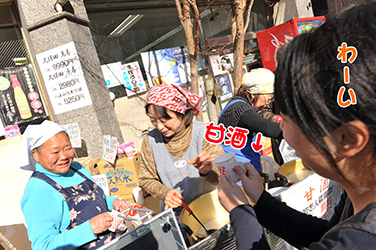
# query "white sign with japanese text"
(110, 145)
(102, 181)
(74, 133)
(314, 195)
(132, 77)
(64, 78)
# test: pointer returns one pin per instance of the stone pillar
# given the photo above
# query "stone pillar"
(286, 10)
(44, 28)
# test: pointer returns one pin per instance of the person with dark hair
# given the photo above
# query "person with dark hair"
(255, 93)
(176, 162)
(63, 207)
(333, 133)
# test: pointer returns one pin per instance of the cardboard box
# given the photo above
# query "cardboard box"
(128, 198)
(122, 176)
(88, 163)
(14, 237)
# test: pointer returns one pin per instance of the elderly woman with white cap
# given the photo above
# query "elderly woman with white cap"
(63, 207)
(256, 92)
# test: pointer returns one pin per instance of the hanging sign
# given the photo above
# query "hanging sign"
(133, 80)
(110, 145)
(63, 75)
(20, 99)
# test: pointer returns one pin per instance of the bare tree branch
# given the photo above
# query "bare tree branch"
(192, 36)
(238, 9)
(248, 15)
(196, 31)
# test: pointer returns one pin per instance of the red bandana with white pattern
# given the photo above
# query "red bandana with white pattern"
(173, 97)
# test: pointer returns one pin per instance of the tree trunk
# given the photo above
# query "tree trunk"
(192, 36)
(238, 8)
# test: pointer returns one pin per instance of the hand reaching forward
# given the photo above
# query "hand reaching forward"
(203, 162)
(100, 223)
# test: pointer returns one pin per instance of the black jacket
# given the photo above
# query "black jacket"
(342, 231)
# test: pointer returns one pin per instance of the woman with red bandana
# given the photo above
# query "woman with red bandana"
(176, 162)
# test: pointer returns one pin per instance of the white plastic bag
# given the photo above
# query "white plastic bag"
(287, 152)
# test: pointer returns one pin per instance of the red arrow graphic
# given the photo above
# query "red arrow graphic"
(257, 146)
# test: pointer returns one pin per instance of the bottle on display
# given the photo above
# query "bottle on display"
(20, 97)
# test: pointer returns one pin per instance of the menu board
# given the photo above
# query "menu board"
(63, 75)
(167, 66)
(20, 98)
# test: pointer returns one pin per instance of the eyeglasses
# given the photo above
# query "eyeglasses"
(268, 100)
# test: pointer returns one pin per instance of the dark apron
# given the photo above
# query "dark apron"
(86, 200)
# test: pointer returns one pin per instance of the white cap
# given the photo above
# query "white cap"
(33, 137)
(259, 81)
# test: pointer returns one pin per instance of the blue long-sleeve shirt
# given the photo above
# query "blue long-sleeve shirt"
(47, 214)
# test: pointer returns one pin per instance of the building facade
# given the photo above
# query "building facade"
(90, 63)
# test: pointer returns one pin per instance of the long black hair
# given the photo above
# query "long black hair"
(309, 76)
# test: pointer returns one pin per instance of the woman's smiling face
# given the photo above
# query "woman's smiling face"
(56, 154)
(168, 127)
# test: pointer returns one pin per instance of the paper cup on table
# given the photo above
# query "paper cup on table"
(116, 220)
(223, 160)
(130, 152)
(138, 195)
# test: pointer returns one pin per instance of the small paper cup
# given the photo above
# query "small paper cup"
(116, 221)
(138, 195)
(234, 176)
(223, 160)
(130, 152)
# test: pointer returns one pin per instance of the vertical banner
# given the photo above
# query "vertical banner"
(64, 78)
(133, 80)
(20, 98)
(167, 66)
